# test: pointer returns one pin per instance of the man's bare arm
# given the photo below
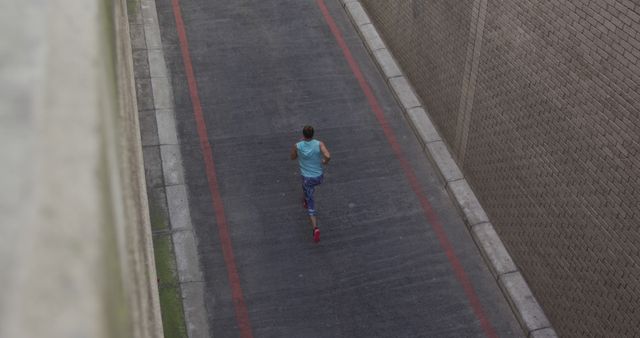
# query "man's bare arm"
(326, 156)
(294, 152)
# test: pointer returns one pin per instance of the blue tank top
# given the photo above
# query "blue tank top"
(309, 158)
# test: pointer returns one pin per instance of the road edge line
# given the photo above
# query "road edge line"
(233, 276)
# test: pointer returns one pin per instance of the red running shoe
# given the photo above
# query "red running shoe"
(316, 234)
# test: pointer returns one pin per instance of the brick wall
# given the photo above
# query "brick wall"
(540, 104)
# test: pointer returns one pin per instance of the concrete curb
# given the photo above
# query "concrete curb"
(183, 237)
(515, 289)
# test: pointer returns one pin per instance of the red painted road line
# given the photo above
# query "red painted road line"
(432, 217)
(242, 315)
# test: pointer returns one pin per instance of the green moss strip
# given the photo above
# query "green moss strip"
(156, 213)
(173, 320)
(172, 314)
(165, 261)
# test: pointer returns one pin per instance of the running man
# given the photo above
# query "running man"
(311, 155)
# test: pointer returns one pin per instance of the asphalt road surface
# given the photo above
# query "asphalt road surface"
(246, 76)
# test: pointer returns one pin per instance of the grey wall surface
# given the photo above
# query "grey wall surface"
(539, 102)
(75, 248)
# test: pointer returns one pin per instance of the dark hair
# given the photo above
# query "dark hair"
(307, 132)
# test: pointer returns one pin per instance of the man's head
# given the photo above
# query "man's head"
(307, 132)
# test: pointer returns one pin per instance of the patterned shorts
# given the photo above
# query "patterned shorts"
(308, 187)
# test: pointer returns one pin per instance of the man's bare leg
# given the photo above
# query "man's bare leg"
(316, 231)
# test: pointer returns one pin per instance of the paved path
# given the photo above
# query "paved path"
(256, 72)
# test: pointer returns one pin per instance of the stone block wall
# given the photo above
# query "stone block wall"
(539, 101)
(75, 245)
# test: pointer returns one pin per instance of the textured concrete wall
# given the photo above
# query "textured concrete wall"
(75, 249)
(539, 102)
